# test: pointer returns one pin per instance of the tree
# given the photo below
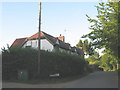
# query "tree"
(108, 62)
(94, 59)
(87, 48)
(104, 32)
(80, 44)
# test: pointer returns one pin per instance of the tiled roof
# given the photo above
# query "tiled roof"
(52, 40)
(67, 44)
(35, 36)
(73, 49)
(19, 42)
(63, 45)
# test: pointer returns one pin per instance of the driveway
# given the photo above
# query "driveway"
(93, 80)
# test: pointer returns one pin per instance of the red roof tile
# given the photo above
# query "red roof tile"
(35, 36)
(19, 42)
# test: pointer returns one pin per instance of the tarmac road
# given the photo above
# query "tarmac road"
(97, 80)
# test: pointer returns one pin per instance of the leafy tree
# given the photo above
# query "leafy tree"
(94, 59)
(80, 44)
(105, 28)
(87, 48)
(104, 34)
(108, 62)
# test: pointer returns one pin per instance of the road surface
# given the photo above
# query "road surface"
(97, 80)
(93, 80)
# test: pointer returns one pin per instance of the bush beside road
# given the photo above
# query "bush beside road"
(25, 59)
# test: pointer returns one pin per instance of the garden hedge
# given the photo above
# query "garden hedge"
(67, 65)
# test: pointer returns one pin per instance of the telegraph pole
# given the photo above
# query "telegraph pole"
(39, 38)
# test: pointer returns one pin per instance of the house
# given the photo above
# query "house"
(48, 43)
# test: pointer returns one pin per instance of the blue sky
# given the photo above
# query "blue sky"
(20, 19)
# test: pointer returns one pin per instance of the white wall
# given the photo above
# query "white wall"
(28, 43)
(45, 44)
(34, 43)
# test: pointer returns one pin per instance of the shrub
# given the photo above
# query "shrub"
(65, 64)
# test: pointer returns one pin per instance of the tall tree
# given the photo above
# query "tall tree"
(105, 29)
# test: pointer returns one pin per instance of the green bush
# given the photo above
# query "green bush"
(65, 64)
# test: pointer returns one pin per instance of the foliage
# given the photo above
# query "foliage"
(108, 62)
(80, 43)
(119, 72)
(94, 59)
(104, 34)
(87, 48)
(65, 64)
(105, 28)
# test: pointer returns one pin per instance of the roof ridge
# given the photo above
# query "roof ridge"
(22, 38)
(47, 36)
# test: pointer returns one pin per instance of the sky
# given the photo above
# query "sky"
(21, 19)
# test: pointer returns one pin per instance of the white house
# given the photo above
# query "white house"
(48, 43)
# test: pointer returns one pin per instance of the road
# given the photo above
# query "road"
(93, 80)
(97, 80)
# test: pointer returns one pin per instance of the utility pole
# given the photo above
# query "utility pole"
(39, 38)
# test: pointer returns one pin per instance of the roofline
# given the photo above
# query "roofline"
(18, 39)
(47, 38)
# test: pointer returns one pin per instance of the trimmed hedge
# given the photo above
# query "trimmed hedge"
(65, 64)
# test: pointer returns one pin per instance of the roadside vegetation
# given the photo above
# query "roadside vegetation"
(104, 35)
(66, 65)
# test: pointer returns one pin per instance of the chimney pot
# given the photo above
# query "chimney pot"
(62, 38)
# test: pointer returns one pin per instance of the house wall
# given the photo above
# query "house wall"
(45, 44)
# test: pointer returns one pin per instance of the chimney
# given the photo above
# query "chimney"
(62, 38)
